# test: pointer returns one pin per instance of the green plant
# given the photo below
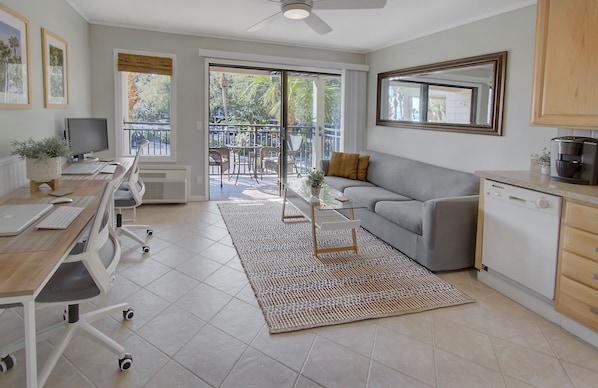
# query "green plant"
(43, 149)
(543, 158)
(315, 178)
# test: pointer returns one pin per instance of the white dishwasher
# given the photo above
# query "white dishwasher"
(521, 235)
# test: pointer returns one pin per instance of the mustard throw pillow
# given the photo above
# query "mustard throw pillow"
(362, 167)
(343, 164)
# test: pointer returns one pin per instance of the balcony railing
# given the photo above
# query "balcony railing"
(158, 135)
(266, 135)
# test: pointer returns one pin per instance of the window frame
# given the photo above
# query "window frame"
(120, 91)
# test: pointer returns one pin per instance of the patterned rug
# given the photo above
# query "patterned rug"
(297, 291)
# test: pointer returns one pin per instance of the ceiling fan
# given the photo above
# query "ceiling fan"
(302, 10)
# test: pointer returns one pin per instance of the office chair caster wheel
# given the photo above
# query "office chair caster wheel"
(150, 232)
(145, 249)
(125, 362)
(7, 363)
(128, 314)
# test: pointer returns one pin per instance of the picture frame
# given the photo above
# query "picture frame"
(15, 69)
(55, 69)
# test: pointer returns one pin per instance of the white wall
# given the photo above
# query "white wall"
(513, 32)
(189, 72)
(38, 122)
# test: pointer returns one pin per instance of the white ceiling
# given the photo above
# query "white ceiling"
(353, 30)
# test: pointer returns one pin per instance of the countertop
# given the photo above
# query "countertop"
(535, 181)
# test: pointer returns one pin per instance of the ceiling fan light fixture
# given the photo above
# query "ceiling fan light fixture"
(296, 11)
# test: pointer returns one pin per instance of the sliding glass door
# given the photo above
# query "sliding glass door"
(273, 123)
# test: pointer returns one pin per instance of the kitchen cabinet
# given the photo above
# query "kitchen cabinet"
(564, 92)
(577, 276)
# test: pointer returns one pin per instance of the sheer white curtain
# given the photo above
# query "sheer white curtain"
(353, 110)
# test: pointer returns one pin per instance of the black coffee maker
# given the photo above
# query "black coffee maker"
(574, 159)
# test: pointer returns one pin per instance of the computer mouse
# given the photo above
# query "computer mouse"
(62, 200)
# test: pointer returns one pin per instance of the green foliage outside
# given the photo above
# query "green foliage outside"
(256, 99)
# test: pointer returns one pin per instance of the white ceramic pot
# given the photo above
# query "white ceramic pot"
(44, 170)
(315, 191)
(545, 169)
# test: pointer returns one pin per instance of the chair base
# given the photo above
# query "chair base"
(127, 230)
(73, 325)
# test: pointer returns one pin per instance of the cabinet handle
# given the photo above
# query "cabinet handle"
(596, 276)
(594, 310)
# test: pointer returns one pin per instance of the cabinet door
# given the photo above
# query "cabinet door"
(566, 64)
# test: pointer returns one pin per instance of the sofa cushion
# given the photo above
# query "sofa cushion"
(406, 214)
(369, 196)
(343, 164)
(362, 167)
(341, 184)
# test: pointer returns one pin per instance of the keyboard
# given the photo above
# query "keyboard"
(108, 169)
(60, 218)
(82, 168)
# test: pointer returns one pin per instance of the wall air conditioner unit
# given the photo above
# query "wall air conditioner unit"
(165, 184)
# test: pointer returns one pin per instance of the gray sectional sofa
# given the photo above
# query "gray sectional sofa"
(427, 212)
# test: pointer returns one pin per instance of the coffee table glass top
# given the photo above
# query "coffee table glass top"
(327, 200)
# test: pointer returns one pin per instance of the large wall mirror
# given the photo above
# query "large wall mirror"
(463, 95)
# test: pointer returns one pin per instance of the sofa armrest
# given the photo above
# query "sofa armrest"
(324, 164)
(457, 214)
(451, 223)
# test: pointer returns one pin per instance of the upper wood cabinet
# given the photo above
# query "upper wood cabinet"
(565, 79)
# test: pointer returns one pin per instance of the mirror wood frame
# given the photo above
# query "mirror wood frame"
(499, 62)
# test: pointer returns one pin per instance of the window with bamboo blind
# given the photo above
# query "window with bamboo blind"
(144, 94)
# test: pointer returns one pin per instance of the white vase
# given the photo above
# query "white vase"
(315, 191)
(545, 169)
(44, 170)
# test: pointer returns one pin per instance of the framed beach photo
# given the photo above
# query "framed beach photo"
(15, 85)
(55, 65)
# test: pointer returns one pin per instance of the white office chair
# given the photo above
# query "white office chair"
(86, 273)
(129, 195)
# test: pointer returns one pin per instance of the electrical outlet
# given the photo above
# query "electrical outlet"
(199, 125)
(199, 179)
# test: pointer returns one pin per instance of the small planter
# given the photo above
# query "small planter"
(43, 171)
(315, 191)
(545, 169)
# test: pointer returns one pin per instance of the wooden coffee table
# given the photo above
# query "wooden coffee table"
(322, 212)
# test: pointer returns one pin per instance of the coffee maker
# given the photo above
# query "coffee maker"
(574, 159)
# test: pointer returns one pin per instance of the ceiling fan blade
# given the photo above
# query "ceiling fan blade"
(258, 26)
(349, 4)
(317, 24)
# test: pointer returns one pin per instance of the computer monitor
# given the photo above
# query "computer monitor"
(86, 135)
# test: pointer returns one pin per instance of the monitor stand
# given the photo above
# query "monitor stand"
(85, 158)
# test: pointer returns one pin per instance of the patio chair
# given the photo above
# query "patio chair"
(269, 160)
(294, 142)
(220, 157)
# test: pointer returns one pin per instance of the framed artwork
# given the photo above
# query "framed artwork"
(15, 85)
(55, 65)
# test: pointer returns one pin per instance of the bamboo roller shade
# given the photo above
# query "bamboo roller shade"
(144, 64)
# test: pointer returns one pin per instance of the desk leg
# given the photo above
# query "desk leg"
(30, 344)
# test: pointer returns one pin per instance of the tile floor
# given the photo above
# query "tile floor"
(197, 324)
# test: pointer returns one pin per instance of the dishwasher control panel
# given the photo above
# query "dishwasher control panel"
(522, 197)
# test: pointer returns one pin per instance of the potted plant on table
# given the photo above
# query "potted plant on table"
(543, 160)
(315, 180)
(43, 157)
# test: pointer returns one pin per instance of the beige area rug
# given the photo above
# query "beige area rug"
(297, 291)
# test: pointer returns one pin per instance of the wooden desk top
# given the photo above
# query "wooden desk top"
(23, 272)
